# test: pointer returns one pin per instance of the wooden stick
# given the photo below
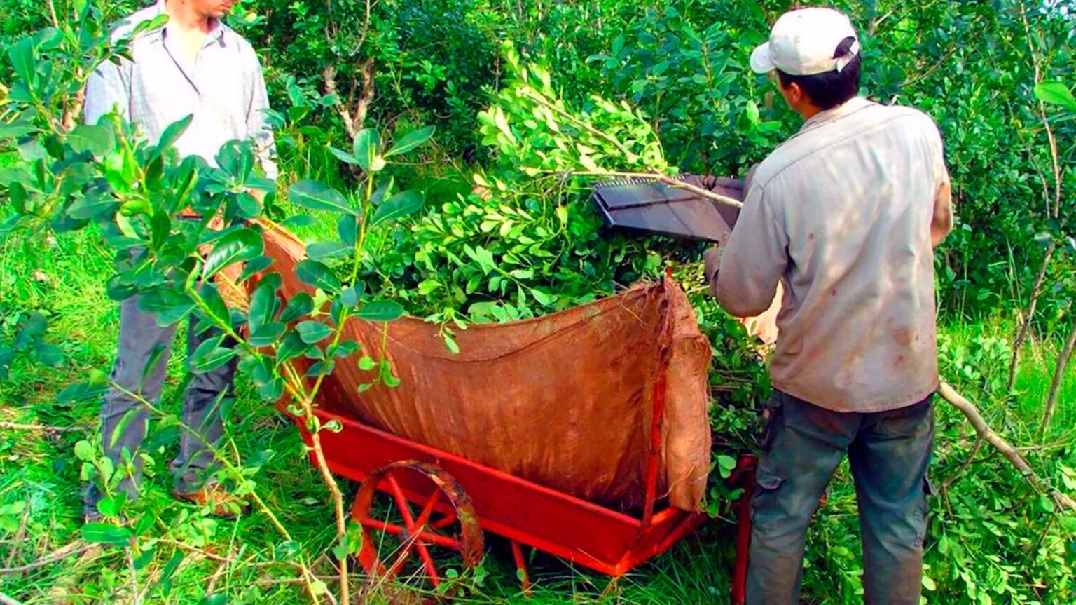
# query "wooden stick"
(54, 557)
(706, 193)
(985, 432)
(6, 600)
(14, 426)
(19, 537)
(967, 464)
(1055, 385)
(1025, 325)
(136, 594)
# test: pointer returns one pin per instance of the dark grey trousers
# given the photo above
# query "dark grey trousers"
(139, 338)
(888, 453)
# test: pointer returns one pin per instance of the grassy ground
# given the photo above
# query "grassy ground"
(246, 561)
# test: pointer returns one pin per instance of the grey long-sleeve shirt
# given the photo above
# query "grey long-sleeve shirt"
(841, 214)
(224, 90)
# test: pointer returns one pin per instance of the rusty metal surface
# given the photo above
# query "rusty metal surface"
(434, 490)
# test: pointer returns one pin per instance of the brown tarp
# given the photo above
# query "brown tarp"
(566, 400)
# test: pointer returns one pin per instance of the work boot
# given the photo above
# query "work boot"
(225, 505)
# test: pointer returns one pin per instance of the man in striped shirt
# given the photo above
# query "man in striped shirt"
(195, 66)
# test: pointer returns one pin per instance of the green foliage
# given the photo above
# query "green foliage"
(513, 249)
(683, 66)
(131, 192)
(27, 338)
(656, 85)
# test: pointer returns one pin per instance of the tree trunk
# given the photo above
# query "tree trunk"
(1025, 324)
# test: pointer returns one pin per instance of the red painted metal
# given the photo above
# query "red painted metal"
(658, 411)
(441, 494)
(658, 416)
(744, 476)
(560, 524)
(397, 530)
(521, 566)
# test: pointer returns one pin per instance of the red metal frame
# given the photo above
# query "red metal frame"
(527, 513)
(744, 476)
(531, 514)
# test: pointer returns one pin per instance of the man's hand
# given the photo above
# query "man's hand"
(712, 262)
(941, 222)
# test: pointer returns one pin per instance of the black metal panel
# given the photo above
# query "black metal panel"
(651, 206)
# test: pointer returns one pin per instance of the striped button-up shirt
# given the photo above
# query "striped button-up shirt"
(223, 90)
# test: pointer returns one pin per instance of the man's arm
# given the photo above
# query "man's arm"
(755, 258)
(941, 222)
(941, 219)
(257, 120)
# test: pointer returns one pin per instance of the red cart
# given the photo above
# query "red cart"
(447, 501)
(443, 502)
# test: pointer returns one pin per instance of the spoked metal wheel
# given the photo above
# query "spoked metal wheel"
(429, 519)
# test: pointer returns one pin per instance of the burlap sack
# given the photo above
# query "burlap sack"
(566, 400)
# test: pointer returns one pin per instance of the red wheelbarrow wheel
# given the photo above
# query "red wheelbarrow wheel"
(429, 511)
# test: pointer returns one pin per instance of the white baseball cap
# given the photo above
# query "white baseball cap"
(803, 41)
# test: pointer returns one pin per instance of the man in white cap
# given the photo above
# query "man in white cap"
(845, 215)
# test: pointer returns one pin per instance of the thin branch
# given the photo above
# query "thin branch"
(225, 560)
(922, 75)
(258, 501)
(6, 600)
(706, 193)
(365, 25)
(155, 576)
(19, 537)
(195, 550)
(1055, 385)
(209, 446)
(964, 467)
(878, 21)
(1000, 444)
(211, 587)
(136, 594)
(52, 13)
(14, 426)
(540, 99)
(1044, 447)
(74, 548)
(1051, 139)
(1025, 324)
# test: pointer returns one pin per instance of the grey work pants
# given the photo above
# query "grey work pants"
(888, 453)
(139, 337)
